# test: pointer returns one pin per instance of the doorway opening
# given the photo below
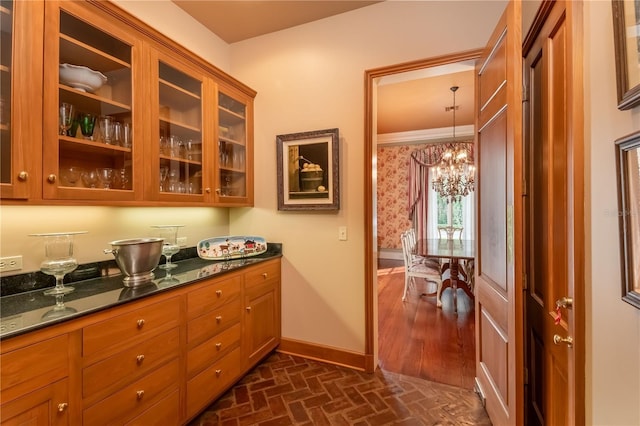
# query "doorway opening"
(414, 337)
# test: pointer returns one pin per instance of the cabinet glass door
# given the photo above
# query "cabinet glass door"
(233, 150)
(90, 126)
(179, 168)
(20, 118)
(6, 39)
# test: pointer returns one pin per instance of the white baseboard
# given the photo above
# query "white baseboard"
(394, 254)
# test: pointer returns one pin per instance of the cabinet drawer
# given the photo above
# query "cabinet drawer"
(164, 412)
(210, 351)
(209, 384)
(130, 363)
(140, 323)
(44, 362)
(263, 273)
(215, 295)
(134, 399)
(213, 322)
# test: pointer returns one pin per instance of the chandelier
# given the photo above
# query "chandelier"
(454, 175)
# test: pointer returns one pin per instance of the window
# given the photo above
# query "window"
(458, 213)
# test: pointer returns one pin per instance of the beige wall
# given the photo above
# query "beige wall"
(613, 327)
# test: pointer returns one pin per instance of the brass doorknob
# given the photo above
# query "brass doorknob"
(62, 406)
(51, 178)
(23, 176)
(564, 302)
(559, 339)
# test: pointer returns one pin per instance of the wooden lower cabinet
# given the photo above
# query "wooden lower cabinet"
(45, 406)
(156, 361)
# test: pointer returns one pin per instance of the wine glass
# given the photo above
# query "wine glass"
(65, 117)
(105, 176)
(72, 174)
(87, 125)
(89, 178)
(59, 310)
(170, 245)
(59, 260)
(164, 172)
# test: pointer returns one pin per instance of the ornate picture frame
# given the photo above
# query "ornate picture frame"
(308, 170)
(628, 172)
(626, 17)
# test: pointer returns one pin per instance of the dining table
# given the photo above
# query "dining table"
(455, 251)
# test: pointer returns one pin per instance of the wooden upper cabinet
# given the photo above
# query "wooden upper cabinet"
(21, 42)
(97, 157)
(163, 128)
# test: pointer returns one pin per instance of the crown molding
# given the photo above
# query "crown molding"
(426, 135)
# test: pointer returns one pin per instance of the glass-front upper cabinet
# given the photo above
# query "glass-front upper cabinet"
(176, 172)
(20, 117)
(92, 132)
(234, 179)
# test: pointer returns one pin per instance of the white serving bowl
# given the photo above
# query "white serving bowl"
(81, 78)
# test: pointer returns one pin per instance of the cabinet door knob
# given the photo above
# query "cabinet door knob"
(139, 359)
(139, 394)
(207, 190)
(218, 293)
(219, 318)
(51, 178)
(265, 275)
(62, 406)
(218, 346)
(248, 308)
(23, 176)
(140, 323)
(218, 373)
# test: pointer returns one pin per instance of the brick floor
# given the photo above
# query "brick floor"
(288, 390)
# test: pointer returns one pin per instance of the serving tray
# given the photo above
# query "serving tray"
(231, 247)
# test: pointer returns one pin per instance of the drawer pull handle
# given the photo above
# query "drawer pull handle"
(265, 275)
(62, 406)
(219, 318)
(248, 308)
(139, 359)
(139, 394)
(140, 323)
(218, 346)
(218, 293)
(218, 373)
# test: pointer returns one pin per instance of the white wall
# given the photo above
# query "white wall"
(312, 77)
(613, 327)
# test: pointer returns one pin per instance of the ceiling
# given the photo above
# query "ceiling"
(239, 20)
(411, 101)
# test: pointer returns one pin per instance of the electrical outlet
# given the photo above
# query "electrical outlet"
(10, 324)
(10, 263)
(182, 241)
(342, 233)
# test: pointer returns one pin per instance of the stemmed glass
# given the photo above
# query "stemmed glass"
(87, 125)
(59, 310)
(59, 260)
(164, 172)
(170, 245)
(65, 117)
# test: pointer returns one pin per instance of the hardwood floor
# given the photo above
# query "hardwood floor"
(417, 339)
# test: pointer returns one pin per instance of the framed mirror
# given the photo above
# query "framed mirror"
(308, 166)
(628, 169)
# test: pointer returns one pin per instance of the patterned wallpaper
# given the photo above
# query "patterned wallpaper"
(393, 193)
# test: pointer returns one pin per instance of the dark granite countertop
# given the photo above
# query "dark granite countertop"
(32, 310)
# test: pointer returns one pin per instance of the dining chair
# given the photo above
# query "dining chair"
(450, 232)
(418, 270)
(417, 258)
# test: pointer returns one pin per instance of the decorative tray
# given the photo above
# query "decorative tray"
(231, 247)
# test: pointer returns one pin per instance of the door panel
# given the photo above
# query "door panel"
(498, 299)
(551, 168)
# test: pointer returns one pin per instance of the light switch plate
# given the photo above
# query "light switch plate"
(342, 233)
